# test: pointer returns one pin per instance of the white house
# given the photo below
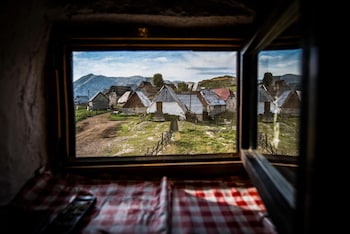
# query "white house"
(167, 102)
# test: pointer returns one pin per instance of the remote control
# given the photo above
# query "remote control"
(67, 219)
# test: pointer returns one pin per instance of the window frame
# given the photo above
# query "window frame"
(63, 158)
(277, 192)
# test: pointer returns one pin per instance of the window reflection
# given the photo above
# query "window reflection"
(279, 101)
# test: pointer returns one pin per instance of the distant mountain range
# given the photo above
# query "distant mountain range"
(294, 81)
(90, 84)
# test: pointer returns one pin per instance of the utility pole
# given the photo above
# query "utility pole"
(191, 87)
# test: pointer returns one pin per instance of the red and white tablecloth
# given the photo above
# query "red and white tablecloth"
(157, 205)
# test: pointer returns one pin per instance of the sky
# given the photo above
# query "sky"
(178, 65)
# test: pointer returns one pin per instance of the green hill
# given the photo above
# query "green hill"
(218, 82)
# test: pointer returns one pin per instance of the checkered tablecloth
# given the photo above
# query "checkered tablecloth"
(216, 206)
(157, 205)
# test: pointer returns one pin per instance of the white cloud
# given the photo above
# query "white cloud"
(176, 65)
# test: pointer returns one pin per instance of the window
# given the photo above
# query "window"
(272, 33)
(270, 147)
(154, 102)
(120, 109)
(279, 101)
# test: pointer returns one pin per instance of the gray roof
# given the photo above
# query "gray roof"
(167, 94)
(212, 98)
(192, 102)
(98, 94)
(282, 98)
(124, 98)
(264, 95)
(144, 99)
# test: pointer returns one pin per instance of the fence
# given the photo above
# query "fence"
(165, 139)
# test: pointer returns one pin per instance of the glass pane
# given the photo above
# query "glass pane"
(139, 103)
(279, 101)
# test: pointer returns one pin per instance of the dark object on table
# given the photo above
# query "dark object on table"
(68, 219)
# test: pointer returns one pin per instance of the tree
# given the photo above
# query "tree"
(182, 86)
(158, 80)
(267, 80)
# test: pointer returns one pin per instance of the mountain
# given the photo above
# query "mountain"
(90, 84)
(294, 81)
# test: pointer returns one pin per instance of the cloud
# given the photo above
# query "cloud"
(161, 59)
(177, 65)
(209, 68)
(280, 62)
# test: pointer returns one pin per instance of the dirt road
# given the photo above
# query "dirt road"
(96, 135)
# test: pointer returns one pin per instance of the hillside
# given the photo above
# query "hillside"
(294, 81)
(218, 82)
(90, 84)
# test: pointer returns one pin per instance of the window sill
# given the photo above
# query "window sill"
(200, 168)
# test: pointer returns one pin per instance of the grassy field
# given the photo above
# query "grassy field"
(190, 138)
(138, 135)
(279, 137)
(82, 113)
(202, 138)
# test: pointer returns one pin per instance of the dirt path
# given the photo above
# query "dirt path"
(96, 135)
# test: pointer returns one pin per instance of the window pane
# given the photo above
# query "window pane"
(279, 101)
(139, 103)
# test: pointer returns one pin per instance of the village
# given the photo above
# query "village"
(198, 104)
(146, 98)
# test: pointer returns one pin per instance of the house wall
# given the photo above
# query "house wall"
(134, 106)
(215, 110)
(23, 47)
(112, 100)
(100, 102)
(231, 104)
(291, 105)
(261, 110)
(135, 110)
(171, 108)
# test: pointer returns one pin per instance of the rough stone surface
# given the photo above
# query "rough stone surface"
(22, 112)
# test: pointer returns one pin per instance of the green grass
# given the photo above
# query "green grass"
(138, 136)
(82, 113)
(286, 130)
(135, 137)
(202, 139)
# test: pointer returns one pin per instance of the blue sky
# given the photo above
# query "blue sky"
(177, 65)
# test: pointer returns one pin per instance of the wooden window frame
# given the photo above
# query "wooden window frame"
(278, 193)
(66, 40)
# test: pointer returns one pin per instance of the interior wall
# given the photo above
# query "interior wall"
(23, 47)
